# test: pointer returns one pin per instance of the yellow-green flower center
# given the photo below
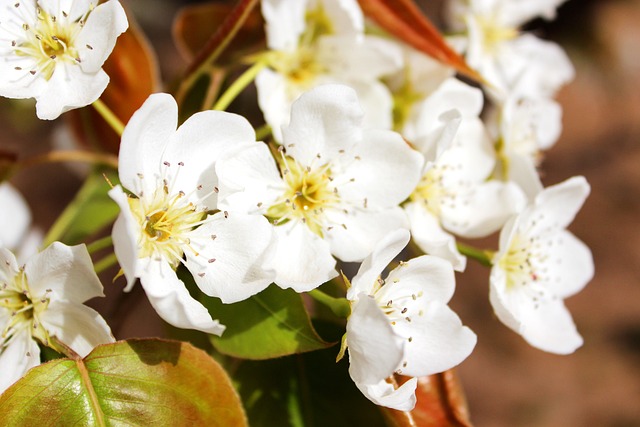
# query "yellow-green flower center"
(23, 308)
(308, 192)
(521, 261)
(165, 222)
(48, 41)
(431, 191)
(494, 33)
(302, 65)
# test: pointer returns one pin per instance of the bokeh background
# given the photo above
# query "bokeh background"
(507, 382)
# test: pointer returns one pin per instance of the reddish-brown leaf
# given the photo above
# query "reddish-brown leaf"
(195, 24)
(134, 75)
(440, 403)
(403, 19)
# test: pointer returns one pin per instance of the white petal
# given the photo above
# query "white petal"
(558, 204)
(345, 16)
(570, 265)
(372, 267)
(249, 179)
(76, 325)
(549, 327)
(143, 142)
(171, 300)
(486, 209)
(362, 59)
(324, 121)
(385, 170)
(523, 172)
(302, 260)
(15, 216)
(428, 275)
(8, 266)
(65, 270)
(535, 67)
(274, 100)
(195, 147)
(230, 266)
(125, 238)
(105, 23)
(375, 351)
(355, 234)
(439, 341)
(431, 238)
(376, 102)
(17, 358)
(67, 89)
(384, 394)
(284, 22)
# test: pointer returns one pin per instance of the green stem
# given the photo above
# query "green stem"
(106, 262)
(263, 132)
(339, 306)
(484, 257)
(99, 244)
(239, 85)
(108, 116)
(69, 215)
(217, 44)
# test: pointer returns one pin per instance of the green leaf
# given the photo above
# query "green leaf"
(308, 390)
(150, 382)
(273, 323)
(89, 211)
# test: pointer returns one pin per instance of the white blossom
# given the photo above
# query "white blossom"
(455, 194)
(53, 51)
(43, 299)
(509, 61)
(170, 216)
(315, 42)
(402, 324)
(538, 265)
(334, 191)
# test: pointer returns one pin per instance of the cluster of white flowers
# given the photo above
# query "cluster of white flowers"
(375, 144)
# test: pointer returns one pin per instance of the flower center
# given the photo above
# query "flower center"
(302, 66)
(494, 33)
(22, 309)
(48, 41)
(431, 190)
(166, 222)
(522, 261)
(308, 192)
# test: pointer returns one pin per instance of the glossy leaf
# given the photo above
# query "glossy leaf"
(403, 19)
(90, 211)
(440, 403)
(196, 24)
(272, 324)
(135, 382)
(303, 390)
(134, 75)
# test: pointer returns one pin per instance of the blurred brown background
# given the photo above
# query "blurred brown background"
(507, 382)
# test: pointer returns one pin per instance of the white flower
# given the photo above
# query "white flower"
(53, 51)
(169, 219)
(316, 42)
(455, 194)
(524, 127)
(16, 232)
(42, 300)
(402, 324)
(538, 265)
(508, 61)
(337, 191)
